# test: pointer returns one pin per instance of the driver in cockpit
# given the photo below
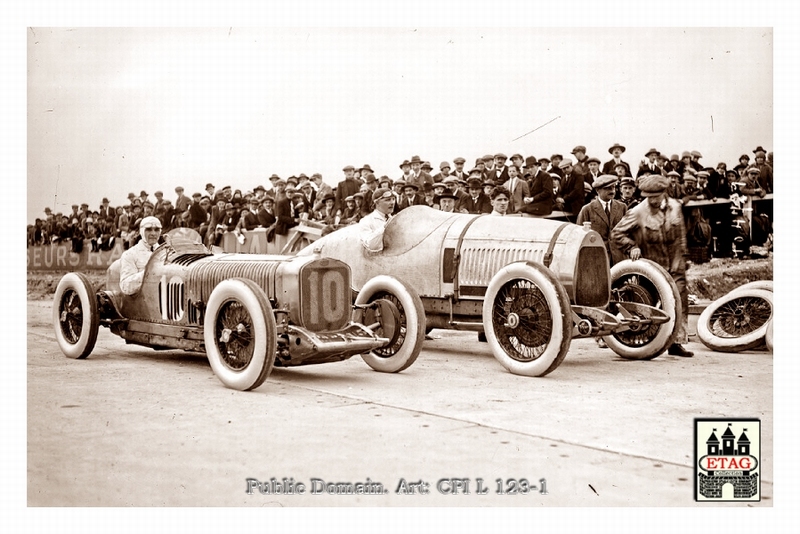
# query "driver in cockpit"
(134, 260)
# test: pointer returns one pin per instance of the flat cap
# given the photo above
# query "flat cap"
(753, 170)
(459, 160)
(450, 180)
(579, 148)
(565, 163)
(348, 168)
(604, 180)
(696, 153)
(653, 185)
(593, 160)
(500, 155)
(627, 180)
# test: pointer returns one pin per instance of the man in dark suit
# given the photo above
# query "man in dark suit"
(499, 174)
(540, 187)
(459, 171)
(347, 187)
(651, 167)
(475, 201)
(593, 165)
(604, 213)
(616, 151)
(418, 175)
(411, 197)
(572, 191)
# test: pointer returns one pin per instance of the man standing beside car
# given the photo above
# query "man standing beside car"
(655, 230)
(134, 260)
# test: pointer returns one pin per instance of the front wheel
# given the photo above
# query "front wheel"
(645, 282)
(527, 319)
(738, 321)
(240, 334)
(407, 335)
(75, 316)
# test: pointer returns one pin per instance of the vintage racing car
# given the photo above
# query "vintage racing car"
(529, 284)
(247, 312)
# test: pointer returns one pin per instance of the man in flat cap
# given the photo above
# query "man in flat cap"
(371, 227)
(604, 213)
(459, 171)
(347, 187)
(499, 174)
(581, 166)
(627, 192)
(134, 260)
(616, 151)
(695, 160)
(655, 230)
(593, 173)
(764, 171)
(572, 192)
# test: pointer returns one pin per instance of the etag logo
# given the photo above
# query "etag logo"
(727, 465)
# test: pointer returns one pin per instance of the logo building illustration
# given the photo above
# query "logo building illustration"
(727, 467)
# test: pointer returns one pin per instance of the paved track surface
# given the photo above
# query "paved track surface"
(132, 426)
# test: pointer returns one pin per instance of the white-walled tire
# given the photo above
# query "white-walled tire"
(758, 284)
(404, 351)
(75, 316)
(768, 337)
(527, 319)
(645, 282)
(736, 322)
(240, 334)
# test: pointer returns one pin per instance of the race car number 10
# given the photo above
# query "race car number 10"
(329, 303)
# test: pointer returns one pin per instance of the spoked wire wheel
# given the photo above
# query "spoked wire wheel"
(522, 321)
(738, 321)
(76, 320)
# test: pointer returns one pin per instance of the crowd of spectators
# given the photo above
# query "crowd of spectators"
(536, 186)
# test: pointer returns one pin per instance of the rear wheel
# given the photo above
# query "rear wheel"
(527, 319)
(75, 316)
(240, 334)
(736, 322)
(644, 282)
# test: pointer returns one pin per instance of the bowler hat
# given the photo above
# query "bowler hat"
(474, 183)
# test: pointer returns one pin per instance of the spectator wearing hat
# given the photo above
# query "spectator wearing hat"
(167, 216)
(198, 214)
(419, 176)
(572, 191)
(447, 202)
(603, 212)
(134, 260)
(451, 184)
(405, 168)
(143, 196)
(635, 235)
(350, 214)
(686, 163)
(518, 160)
(627, 192)
(581, 166)
(371, 227)
(650, 166)
(459, 171)
(105, 210)
(370, 186)
(266, 212)
(210, 189)
(347, 187)
(327, 213)
(744, 163)
(411, 197)
(695, 160)
(540, 188)
(673, 164)
(675, 189)
(616, 150)
(592, 174)
(444, 172)
(764, 171)
(555, 165)
(488, 166)
(182, 202)
(517, 188)
(499, 174)
(475, 201)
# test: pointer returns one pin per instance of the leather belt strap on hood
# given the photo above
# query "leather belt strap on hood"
(457, 254)
(548, 256)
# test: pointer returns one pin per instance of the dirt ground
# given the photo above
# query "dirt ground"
(707, 281)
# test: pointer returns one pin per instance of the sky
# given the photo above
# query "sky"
(117, 110)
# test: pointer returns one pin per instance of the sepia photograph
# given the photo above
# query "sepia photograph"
(445, 267)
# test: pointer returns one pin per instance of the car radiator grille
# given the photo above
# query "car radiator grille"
(204, 277)
(479, 265)
(592, 277)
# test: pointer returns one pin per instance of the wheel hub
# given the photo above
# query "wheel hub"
(512, 321)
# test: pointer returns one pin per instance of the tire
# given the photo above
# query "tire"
(240, 334)
(405, 350)
(758, 284)
(736, 322)
(75, 316)
(768, 337)
(527, 319)
(645, 282)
